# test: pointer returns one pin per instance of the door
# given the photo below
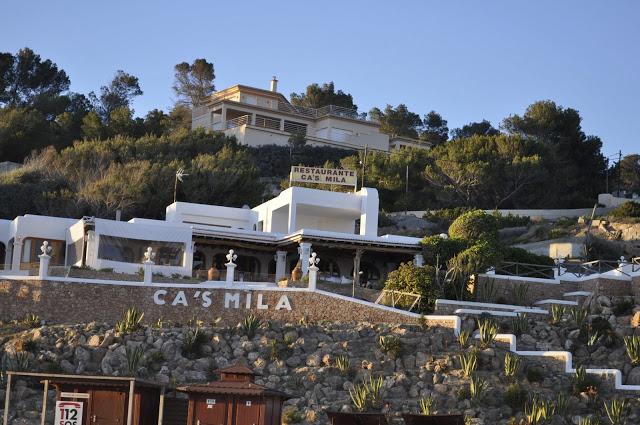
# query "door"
(107, 408)
(211, 411)
(247, 411)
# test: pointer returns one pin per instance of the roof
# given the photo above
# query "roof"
(113, 381)
(232, 388)
(237, 369)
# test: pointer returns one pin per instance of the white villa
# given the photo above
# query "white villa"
(268, 239)
(262, 117)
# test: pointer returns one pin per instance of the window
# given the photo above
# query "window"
(31, 251)
(127, 250)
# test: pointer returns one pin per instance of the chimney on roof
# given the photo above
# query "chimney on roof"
(274, 84)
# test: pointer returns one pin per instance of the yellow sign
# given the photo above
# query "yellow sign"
(324, 176)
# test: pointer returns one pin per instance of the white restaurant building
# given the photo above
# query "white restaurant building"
(268, 239)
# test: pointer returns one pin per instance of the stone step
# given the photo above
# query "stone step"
(500, 313)
(550, 302)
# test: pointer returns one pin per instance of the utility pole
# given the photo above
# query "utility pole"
(619, 175)
(406, 191)
(364, 164)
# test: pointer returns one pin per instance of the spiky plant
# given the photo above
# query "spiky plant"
(374, 388)
(31, 320)
(578, 315)
(511, 365)
(520, 293)
(134, 356)
(538, 410)
(250, 325)
(615, 411)
(343, 364)
(488, 329)
(390, 345)
(463, 338)
(426, 405)
(477, 386)
(468, 362)
(21, 361)
(520, 324)
(131, 321)
(589, 420)
(557, 313)
(359, 397)
(632, 344)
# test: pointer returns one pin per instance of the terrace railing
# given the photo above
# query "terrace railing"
(590, 268)
(512, 268)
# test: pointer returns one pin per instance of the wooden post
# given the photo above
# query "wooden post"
(44, 402)
(5, 420)
(161, 407)
(130, 407)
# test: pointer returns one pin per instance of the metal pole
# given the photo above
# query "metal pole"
(619, 169)
(5, 420)
(406, 192)
(130, 407)
(161, 407)
(364, 164)
(175, 188)
(44, 402)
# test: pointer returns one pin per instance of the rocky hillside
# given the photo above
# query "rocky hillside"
(317, 363)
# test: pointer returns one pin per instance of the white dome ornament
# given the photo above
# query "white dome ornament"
(314, 260)
(46, 248)
(149, 255)
(231, 257)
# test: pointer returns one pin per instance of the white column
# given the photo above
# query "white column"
(148, 263)
(281, 125)
(313, 271)
(305, 253)
(43, 271)
(418, 260)
(281, 264)
(291, 224)
(231, 257)
(17, 253)
(253, 119)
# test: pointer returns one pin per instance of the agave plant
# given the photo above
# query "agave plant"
(538, 410)
(477, 386)
(511, 365)
(557, 313)
(131, 321)
(463, 338)
(134, 356)
(488, 329)
(579, 315)
(250, 325)
(632, 344)
(426, 405)
(31, 320)
(468, 362)
(615, 411)
(359, 396)
(343, 364)
(374, 388)
(520, 324)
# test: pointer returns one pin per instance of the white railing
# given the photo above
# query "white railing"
(291, 127)
(238, 122)
(329, 110)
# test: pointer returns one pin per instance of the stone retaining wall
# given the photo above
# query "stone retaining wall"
(60, 302)
(504, 288)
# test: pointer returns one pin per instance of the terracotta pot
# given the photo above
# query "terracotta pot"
(213, 274)
(296, 274)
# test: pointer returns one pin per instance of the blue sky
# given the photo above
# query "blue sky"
(468, 60)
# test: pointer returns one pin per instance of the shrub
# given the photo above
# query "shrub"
(417, 280)
(477, 386)
(623, 307)
(629, 209)
(534, 374)
(515, 396)
(582, 382)
(131, 321)
(437, 250)
(519, 255)
(291, 415)
(473, 226)
(510, 220)
(445, 215)
(601, 249)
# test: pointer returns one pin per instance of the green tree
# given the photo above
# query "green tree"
(193, 82)
(482, 128)
(484, 171)
(574, 164)
(26, 79)
(22, 130)
(630, 173)
(397, 122)
(317, 96)
(117, 94)
(92, 127)
(156, 122)
(435, 128)
(473, 226)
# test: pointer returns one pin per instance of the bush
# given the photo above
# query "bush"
(440, 250)
(519, 255)
(601, 249)
(418, 280)
(475, 225)
(515, 396)
(445, 216)
(510, 220)
(629, 209)
(534, 374)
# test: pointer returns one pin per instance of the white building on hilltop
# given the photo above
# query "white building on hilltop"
(269, 239)
(263, 117)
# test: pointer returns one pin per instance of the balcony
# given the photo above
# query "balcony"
(325, 111)
(263, 122)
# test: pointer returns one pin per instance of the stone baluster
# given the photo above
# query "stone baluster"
(313, 271)
(231, 266)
